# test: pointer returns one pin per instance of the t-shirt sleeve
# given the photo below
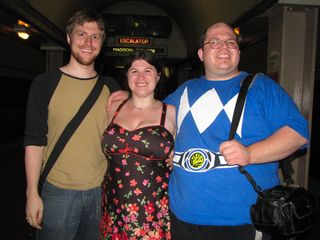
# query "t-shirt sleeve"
(279, 108)
(174, 97)
(170, 99)
(40, 93)
(111, 84)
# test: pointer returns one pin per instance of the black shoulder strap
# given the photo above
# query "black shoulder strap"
(118, 110)
(70, 129)
(235, 121)
(239, 105)
(163, 114)
(286, 165)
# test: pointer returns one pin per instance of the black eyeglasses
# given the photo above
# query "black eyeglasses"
(215, 43)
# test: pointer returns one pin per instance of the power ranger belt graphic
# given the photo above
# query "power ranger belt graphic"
(199, 160)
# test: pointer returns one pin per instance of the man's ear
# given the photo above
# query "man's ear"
(200, 54)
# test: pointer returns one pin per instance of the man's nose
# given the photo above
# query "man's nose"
(88, 40)
(223, 43)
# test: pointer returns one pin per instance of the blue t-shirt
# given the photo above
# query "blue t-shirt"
(203, 189)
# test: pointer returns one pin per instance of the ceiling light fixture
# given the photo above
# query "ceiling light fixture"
(236, 31)
(22, 30)
(23, 35)
(22, 23)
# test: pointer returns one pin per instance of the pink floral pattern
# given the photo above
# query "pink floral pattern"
(135, 196)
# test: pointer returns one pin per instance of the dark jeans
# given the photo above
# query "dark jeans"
(185, 231)
(70, 214)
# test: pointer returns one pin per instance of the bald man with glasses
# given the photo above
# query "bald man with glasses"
(209, 197)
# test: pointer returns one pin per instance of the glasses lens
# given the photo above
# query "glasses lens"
(231, 44)
(214, 43)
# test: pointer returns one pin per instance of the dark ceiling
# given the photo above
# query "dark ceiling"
(47, 18)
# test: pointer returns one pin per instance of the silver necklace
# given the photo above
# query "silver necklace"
(141, 108)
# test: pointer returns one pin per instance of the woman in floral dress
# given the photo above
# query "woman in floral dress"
(137, 141)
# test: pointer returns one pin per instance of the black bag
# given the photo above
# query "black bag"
(281, 209)
(284, 210)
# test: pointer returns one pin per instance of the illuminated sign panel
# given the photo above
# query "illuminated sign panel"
(116, 50)
(134, 41)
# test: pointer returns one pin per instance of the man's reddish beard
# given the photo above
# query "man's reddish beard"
(76, 54)
(82, 60)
